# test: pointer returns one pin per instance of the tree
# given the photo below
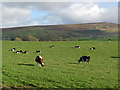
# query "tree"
(17, 39)
(30, 38)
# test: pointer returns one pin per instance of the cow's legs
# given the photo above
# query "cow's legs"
(41, 64)
(78, 61)
(82, 60)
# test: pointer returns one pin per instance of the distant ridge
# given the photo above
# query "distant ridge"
(61, 25)
(66, 31)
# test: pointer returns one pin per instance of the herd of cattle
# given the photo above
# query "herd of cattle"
(39, 59)
(20, 51)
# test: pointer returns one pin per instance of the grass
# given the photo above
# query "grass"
(61, 68)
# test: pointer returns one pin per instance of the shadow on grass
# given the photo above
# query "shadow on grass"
(26, 64)
(114, 57)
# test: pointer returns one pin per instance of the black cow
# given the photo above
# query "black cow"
(77, 46)
(84, 59)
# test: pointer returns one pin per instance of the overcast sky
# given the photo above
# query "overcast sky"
(16, 14)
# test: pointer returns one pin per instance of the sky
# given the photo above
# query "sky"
(15, 14)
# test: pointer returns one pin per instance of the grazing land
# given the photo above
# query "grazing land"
(61, 69)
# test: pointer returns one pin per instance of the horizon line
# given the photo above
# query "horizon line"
(53, 25)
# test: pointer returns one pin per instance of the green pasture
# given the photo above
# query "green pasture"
(61, 69)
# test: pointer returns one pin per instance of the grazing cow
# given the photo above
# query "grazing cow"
(93, 48)
(39, 60)
(18, 51)
(77, 46)
(38, 51)
(52, 46)
(25, 52)
(13, 49)
(84, 59)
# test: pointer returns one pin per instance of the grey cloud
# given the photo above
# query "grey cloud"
(38, 5)
(16, 14)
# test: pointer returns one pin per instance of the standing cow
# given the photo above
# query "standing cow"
(39, 60)
(84, 59)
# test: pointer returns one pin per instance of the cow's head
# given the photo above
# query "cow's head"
(78, 61)
(88, 58)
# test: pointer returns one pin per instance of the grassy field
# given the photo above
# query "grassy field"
(61, 68)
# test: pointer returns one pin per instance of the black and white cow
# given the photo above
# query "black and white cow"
(52, 46)
(25, 52)
(13, 49)
(38, 51)
(84, 59)
(77, 46)
(93, 48)
(19, 51)
(39, 60)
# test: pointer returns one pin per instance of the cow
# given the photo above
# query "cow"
(19, 51)
(13, 49)
(39, 60)
(77, 46)
(25, 52)
(93, 48)
(84, 59)
(38, 51)
(52, 46)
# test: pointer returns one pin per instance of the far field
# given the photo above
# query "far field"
(61, 68)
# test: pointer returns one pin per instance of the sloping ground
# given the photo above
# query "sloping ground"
(52, 32)
(109, 27)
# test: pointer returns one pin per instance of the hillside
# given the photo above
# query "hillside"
(62, 32)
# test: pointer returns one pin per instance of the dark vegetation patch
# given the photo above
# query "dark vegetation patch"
(61, 32)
